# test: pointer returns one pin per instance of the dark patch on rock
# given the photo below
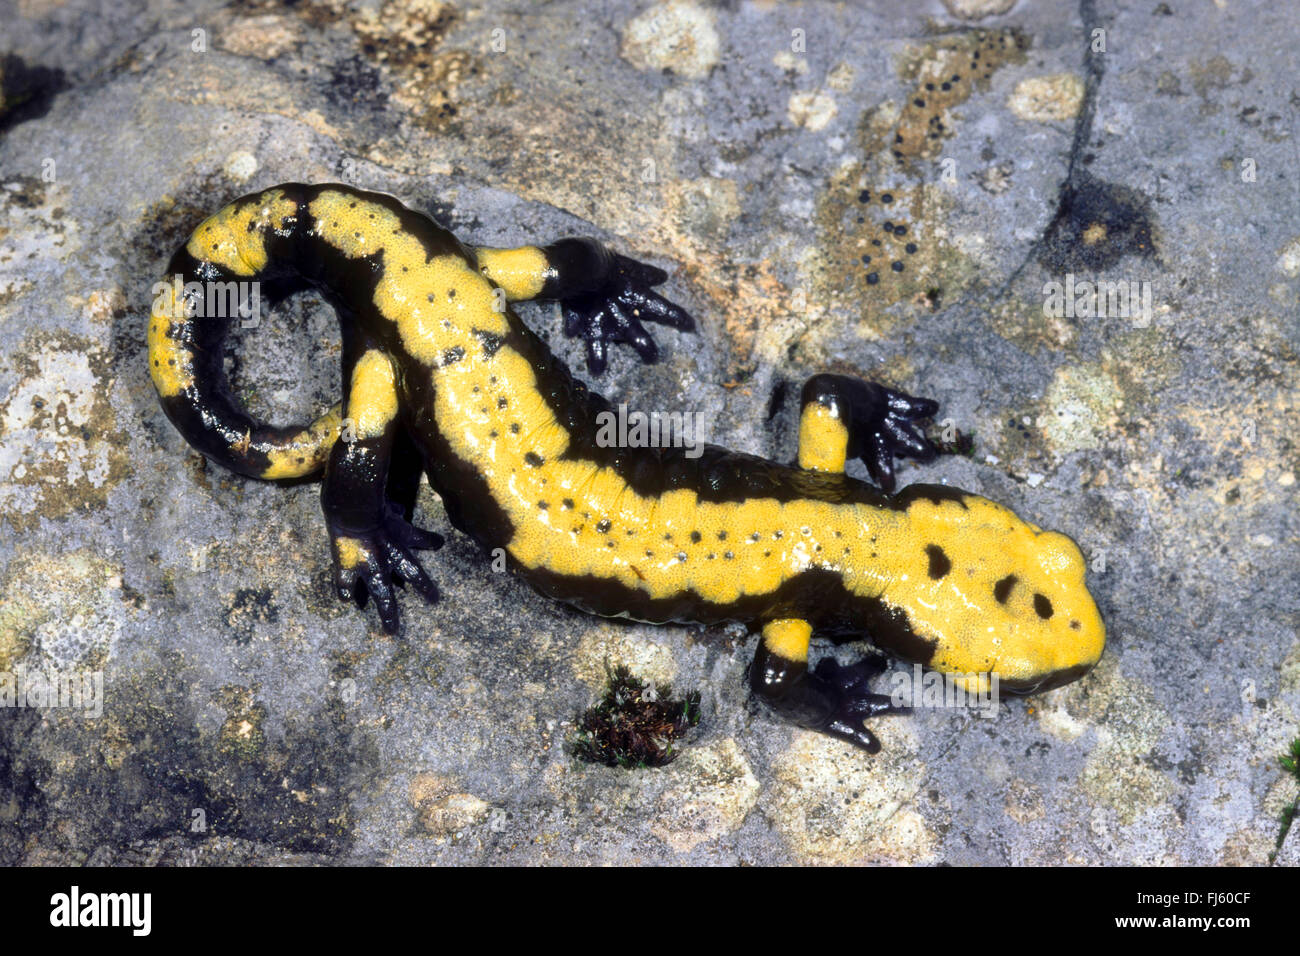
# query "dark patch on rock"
(26, 92)
(295, 793)
(356, 84)
(1096, 225)
(776, 401)
(23, 775)
(250, 607)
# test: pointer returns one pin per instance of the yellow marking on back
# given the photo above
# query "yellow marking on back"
(233, 238)
(575, 518)
(436, 304)
(372, 402)
(307, 451)
(171, 364)
(788, 638)
(823, 439)
(521, 273)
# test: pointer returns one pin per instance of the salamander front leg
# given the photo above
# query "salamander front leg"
(833, 699)
(845, 417)
(605, 296)
(372, 543)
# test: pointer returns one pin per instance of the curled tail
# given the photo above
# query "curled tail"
(211, 282)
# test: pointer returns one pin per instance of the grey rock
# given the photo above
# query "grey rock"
(248, 716)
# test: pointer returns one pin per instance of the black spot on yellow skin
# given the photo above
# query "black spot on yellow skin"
(1042, 606)
(1002, 590)
(939, 563)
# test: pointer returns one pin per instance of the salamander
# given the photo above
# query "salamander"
(434, 354)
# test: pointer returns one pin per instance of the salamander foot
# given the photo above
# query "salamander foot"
(369, 562)
(614, 312)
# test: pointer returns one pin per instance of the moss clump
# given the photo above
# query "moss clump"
(634, 725)
(1290, 762)
(963, 443)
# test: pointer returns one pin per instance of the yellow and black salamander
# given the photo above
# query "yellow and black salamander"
(432, 351)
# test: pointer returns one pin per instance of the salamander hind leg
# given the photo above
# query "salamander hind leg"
(605, 296)
(373, 544)
(833, 699)
(843, 417)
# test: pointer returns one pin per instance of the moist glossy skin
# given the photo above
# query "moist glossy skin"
(509, 440)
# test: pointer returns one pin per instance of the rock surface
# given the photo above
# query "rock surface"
(759, 152)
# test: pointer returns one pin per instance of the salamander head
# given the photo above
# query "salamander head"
(995, 593)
